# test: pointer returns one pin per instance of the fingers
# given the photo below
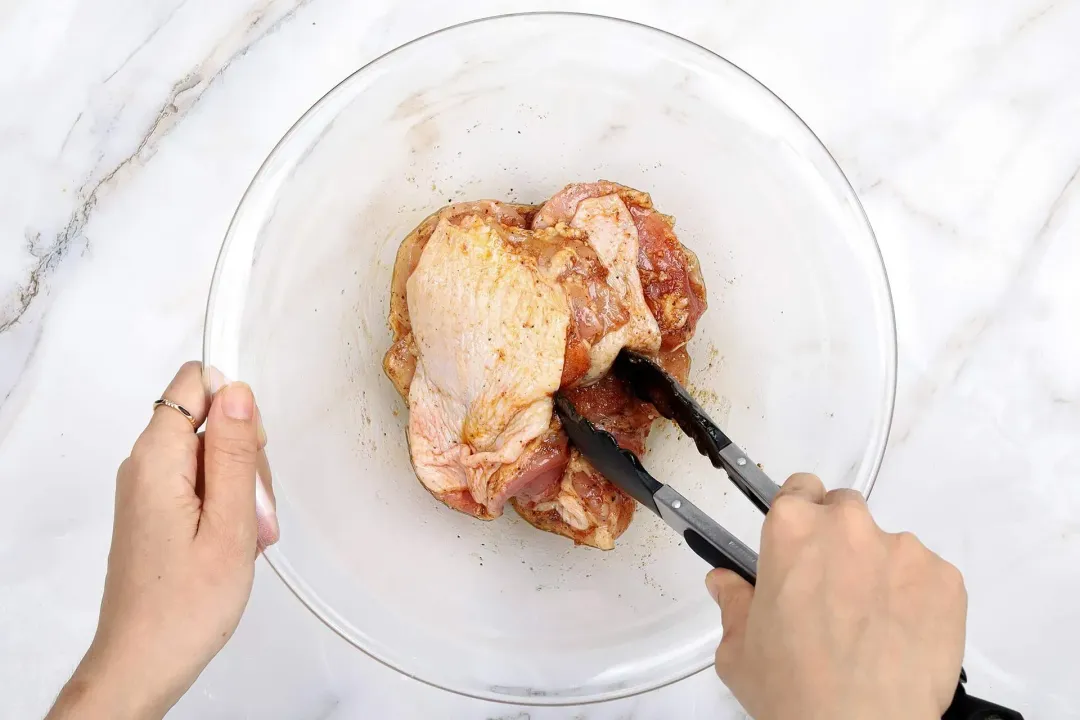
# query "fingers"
(849, 507)
(734, 596)
(186, 390)
(844, 497)
(232, 449)
(788, 524)
(805, 486)
(167, 449)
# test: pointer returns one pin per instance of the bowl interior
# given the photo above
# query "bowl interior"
(795, 356)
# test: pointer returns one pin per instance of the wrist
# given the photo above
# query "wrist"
(101, 688)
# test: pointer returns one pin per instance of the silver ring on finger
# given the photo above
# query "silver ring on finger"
(165, 402)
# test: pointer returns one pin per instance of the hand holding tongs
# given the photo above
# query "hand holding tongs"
(703, 535)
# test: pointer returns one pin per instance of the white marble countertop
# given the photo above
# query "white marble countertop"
(130, 128)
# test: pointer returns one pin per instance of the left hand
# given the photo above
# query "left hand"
(185, 539)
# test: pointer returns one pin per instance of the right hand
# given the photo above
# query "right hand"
(847, 622)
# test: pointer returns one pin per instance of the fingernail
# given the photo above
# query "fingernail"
(262, 430)
(217, 380)
(237, 401)
(265, 515)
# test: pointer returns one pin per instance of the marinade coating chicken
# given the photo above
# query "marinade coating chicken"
(663, 283)
(495, 306)
(400, 361)
(495, 316)
(607, 223)
(669, 271)
(595, 308)
(584, 506)
(488, 368)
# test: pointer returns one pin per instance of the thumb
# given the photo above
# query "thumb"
(232, 446)
(733, 595)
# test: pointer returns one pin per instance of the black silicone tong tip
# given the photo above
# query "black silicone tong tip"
(652, 384)
(618, 465)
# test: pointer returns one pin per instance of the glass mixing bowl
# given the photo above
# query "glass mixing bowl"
(795, 356)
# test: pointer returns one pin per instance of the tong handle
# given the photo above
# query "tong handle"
(968, 707)
(708, 552)
(747, 476)
(705, 536)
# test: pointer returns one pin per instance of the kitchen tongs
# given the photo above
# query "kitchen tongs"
(703, 535)
(654, 385)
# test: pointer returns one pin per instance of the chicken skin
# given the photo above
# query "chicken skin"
(495, 307)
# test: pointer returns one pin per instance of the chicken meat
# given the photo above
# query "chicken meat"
(585, 506)
(400, 361)
(661, 280)
(496, 319)
(494, 307)
(670, 275)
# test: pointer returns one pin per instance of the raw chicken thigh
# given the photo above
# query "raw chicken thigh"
(496, 306)
(669, 272)
(491, 321)
(490, 332)
(400, 361)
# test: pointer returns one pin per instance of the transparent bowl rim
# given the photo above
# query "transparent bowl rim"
(281, 566)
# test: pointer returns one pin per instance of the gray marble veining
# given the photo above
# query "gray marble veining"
(129, 130)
